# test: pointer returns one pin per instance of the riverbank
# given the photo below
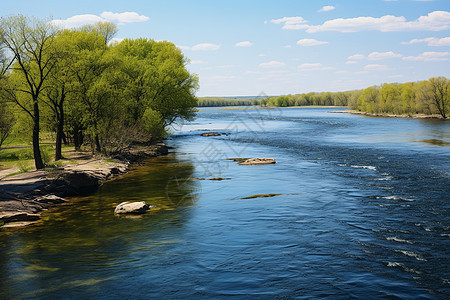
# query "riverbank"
(24, 196)
(363, 113)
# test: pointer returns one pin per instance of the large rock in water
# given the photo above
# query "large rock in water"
(210, 134)
(132, 208)
(257, 161)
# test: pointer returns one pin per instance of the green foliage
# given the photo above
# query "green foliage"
(220, 101)
(7, 121)
(90, 91)
(311, 99)
(430, 97)
(153, 123)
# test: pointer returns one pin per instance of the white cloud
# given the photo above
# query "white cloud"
(125, 17)
(288, 46)
(396, 76)
(383, 55)
(429, 56)
(225, 67)
(375, 67)
(223, 77)
(431, 41)
(351, 62)
(357, 56)
(291, 22)
(87, 19)
(205, 47)
(115, 41)
(244, 44)
(434, 21)
(327, 8)
(77, 21)
(272, 64)
(184, 47)
(313, 67)
(310, 42)
(198, 62)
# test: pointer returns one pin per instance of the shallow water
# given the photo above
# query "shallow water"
(360, 209)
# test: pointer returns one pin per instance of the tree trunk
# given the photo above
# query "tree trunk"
(36, 150)
(64, 137)
(59, 131)
(97, 144)
(77, 138)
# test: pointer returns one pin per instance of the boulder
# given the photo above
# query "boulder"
(80, 180)
(258, 161)
(132, 208)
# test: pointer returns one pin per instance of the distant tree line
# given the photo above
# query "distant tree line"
(220, 101)
(428, 97)
(313, 99)
(88, 90)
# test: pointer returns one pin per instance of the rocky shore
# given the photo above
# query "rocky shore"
(24, 196)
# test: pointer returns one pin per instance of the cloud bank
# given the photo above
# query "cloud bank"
(88, 19)
(434, 21)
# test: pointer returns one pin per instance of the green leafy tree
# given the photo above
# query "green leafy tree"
(440, 94)
(30, 42)
(158, 80)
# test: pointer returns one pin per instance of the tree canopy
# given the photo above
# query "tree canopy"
(89, 91)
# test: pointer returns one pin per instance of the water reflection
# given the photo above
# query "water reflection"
(436, 142)
(76, 240)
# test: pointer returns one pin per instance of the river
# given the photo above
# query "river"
(359, 207)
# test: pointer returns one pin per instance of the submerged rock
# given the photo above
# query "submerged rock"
(132, 207)
(210, 134)
(219, 178)
(258, 161)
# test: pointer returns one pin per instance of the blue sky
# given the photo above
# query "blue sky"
(279, 47)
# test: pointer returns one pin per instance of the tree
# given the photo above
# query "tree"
(30, 41)
(440, 94)
(88, 62)
(158, 81)
(369, 100)
(105, 29)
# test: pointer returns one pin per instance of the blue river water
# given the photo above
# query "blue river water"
(355, 207)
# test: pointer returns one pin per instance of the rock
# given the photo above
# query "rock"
(52, 199)
(132, 208)
(18, 217)
(79, 182)
(258, 161)
(210, 134)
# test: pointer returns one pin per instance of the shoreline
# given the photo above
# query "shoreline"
(24, 196)
(367, 114)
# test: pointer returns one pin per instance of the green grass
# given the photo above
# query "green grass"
(22, 157)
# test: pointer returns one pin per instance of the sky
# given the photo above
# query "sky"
(277, 47)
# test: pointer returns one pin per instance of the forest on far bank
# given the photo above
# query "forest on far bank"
(83, 89)
(428, 97)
